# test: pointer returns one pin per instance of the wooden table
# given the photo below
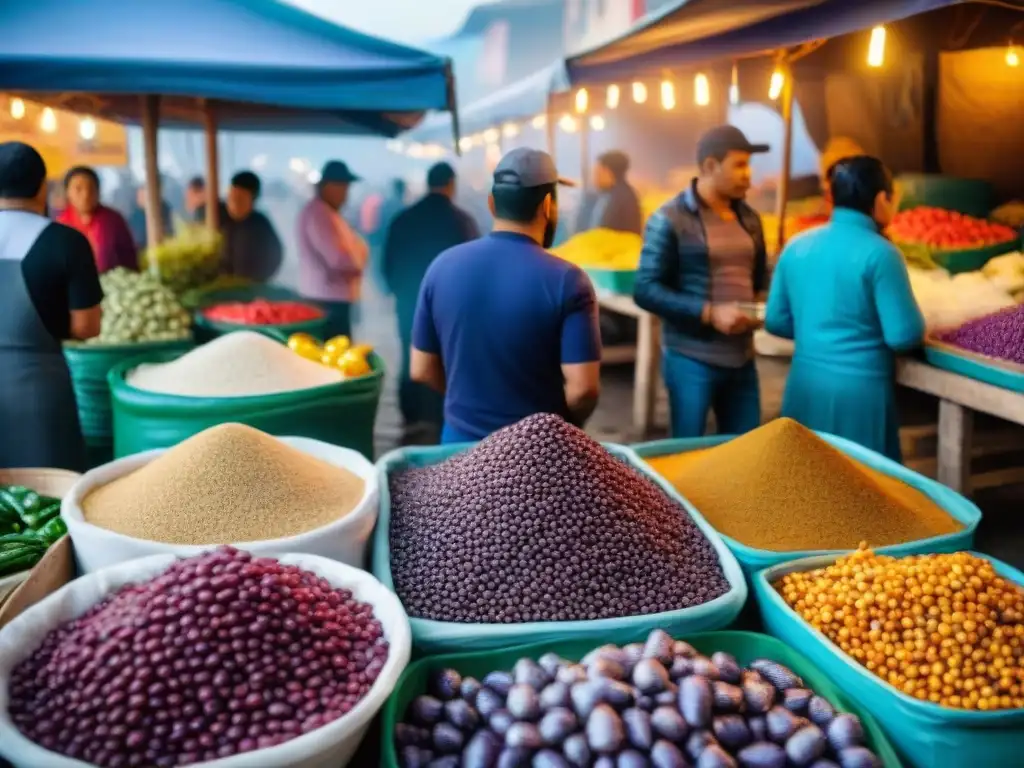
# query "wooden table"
(648, 352)
(959, 399)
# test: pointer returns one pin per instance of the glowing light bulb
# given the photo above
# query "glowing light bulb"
(465, 144)
(734, 86)
(491, 136)
(639, 93)
(876, 47)
(1012, 57)
(597, 123)
(582, 98)
(510, 130)
(87, 128)
(612, 97)
(48, 121)
(313, 177)
(775, 86)
(539, 121)
(17, 109)
(701, 90)
(568, 124)
(668, 95)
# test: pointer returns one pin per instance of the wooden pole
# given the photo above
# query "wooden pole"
(584, 153)
(782, 193)
(154, 219)
(212, 169)
(551, 129)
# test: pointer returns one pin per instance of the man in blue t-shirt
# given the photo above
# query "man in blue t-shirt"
(503, 328)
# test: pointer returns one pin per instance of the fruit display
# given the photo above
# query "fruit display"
(137, 307)
(999, 335)
(1011, 214)
(352, 360)
(262, 312)
(657, 703)
(602, 249)
(948, 301)
(540, 523)
(1007, 273)
(189, 259)
(942, 628)
(945, 230)
(29, 523)
(193, 298)
(222, 654)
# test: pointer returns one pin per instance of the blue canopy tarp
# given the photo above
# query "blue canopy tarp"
(689, 31)
(264, 65)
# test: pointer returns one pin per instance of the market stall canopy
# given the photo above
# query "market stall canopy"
(689, 31)
(262, 65)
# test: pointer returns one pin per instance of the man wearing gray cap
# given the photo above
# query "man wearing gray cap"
(703, 259)
(503, 328)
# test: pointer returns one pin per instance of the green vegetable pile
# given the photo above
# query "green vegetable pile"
(187, 260)
(29, 524)
(137, 307)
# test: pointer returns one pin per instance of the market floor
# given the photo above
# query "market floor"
(1002, 530)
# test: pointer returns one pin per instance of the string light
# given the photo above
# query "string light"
(568, 124)
(876, 47)
(465, 144)
(1012, 56)
(87, 129)
(491, 136)
(597, 123)
(539, 121)
(17, 109)
(668, 95)
(313, 177)
(612, 97)
(582, 97)
(734, 85)
(48, 121)
(510, 130)
(639, 92)
(775, 86)
(701, 90)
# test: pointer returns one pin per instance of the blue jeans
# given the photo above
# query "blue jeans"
(694, 388)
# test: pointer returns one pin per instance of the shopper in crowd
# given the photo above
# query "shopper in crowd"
(137, 219)
(842, 293)
(703, 257)
(616, 205)
(195, 203)
(392, 204)
(252, 249)
(332, 256)
(105, 228)
(414, 239)
(50, 291)
(502, 327)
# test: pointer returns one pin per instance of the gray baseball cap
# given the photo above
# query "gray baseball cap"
(720, 141)
(524, 167)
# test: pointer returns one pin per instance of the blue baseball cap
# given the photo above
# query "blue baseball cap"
(524, 167)
(336, 171)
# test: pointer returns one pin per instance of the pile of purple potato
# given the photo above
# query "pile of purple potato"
(658, 704)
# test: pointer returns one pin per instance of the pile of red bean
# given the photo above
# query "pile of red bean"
(221, 654)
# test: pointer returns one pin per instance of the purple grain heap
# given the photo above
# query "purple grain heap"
(220, 655)
(540, 523)
(999, 335)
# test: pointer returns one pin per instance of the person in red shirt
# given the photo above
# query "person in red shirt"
(106, 230)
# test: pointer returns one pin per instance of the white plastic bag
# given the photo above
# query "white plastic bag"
(344, 540)
(331, 746)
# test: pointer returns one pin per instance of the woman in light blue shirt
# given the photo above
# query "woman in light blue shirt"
(842, 293)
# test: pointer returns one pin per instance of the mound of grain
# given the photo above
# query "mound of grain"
(228, 484)
(783, 488)
(239, 364)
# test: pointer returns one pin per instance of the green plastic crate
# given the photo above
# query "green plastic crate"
(972, 259)
(926, 735)
(207, 330)
(430, 637)
(619, 281)
(973, 366)
(753, 559)
(745, 646)
(971, 196)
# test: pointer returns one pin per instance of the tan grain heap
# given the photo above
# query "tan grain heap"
(782, 488)
(239, 364)
(229, 484)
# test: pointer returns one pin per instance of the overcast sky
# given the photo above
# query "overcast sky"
(405, 21)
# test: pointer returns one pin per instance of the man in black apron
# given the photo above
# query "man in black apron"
(49, 291)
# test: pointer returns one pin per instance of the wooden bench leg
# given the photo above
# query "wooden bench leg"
(645, 381)
(956, 431)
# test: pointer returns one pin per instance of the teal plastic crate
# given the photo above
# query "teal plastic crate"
(971, 196)
(433, 637)
(998, 373)
(926, 735)
(972, 259)
(753, 559)
(745, 646)
(620, 281)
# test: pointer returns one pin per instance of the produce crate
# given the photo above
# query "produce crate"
(971, 196)
(342, 414)
(745, 646)
(244, 293)
(207, 330)
(431, 637)
(973, 259)
(753, 559)
(990, 370)
(620, 281)
(926, 735)
(54, 483)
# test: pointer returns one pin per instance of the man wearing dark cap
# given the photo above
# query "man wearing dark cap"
(616, 204)
(416, 237)
(332, 256)
(252, 248)
(703, 259)
(502, 327)
(49, 292)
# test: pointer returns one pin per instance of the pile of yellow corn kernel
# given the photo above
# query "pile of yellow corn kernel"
(943, 628)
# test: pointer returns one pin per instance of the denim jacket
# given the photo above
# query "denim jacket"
(674, 277)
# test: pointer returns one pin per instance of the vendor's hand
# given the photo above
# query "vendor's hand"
(730, 319)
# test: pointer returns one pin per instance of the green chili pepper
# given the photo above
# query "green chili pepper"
(19, 558)
(52, 531)
(41, 516)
